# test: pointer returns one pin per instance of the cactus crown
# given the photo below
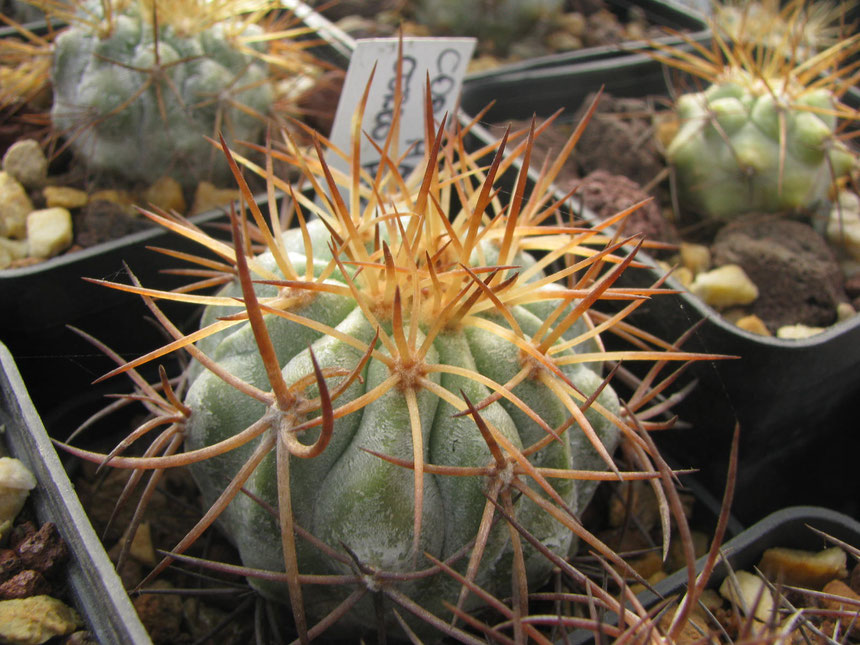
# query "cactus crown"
(443, 248)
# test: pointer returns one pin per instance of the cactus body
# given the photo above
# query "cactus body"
(741, 149)
(142, 111)
(350, 498)
(746, 145)
(497, 23)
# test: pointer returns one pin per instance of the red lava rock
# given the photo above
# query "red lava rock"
(21, 532)
(43, 550)
(796, 272)
(25, 584)
(607, 194)
(10, 564)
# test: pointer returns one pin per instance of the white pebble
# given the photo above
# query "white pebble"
(16, 482)
(749, 593)
(49, 231)
(797, 331)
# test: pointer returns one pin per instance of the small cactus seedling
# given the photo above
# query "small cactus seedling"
(764, 136)
(398, 410)
(139, 84)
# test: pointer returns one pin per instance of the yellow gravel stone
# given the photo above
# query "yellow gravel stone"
(119, 197)
(749, 593)
(166, 194)
(35, 620)
(797, 331)
(696, 257)
(208, 197)
(49, 231)
(800, 568)
(64, 197)
(14, 207)
(753, 324)
(725, 286)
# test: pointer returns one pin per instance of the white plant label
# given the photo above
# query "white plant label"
(444, 60)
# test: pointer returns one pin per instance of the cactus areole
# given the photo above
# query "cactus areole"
(402, 400)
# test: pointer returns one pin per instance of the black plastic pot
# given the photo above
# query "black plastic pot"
(669, 14)
(97, 591)
(794, 399)
(787, 528)
(41, 300)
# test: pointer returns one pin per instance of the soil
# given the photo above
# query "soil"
(618, 163)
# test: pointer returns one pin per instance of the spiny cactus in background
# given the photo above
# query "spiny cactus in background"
(799, 28)
(764, 136)
(384, 399)
(495, 23)
(139, 84)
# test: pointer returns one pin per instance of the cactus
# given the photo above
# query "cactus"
(800, 29)
(763, 136)
(139, 84)
(496, 24)
(400, 385)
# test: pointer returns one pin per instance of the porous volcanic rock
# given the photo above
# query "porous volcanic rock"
(607, 194)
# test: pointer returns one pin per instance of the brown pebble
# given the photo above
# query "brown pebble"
(80, 638)
(21, 532)
(10, 564)
(852, 286)
(25, 584)
(160, 613)
(44, 550)
(850, 607)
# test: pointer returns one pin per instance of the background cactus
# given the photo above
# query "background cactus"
(495, 23)
(400, 388)
(764, 136)
(139, 84)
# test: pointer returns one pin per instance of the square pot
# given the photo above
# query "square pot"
(97, 591)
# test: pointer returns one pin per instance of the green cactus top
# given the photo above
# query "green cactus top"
(764, 136)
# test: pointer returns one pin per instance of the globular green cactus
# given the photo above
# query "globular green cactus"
(139, 84)
(764, 136)
(497, 24)
(401, 402)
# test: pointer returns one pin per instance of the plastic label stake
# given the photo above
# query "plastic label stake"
(444, 60)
